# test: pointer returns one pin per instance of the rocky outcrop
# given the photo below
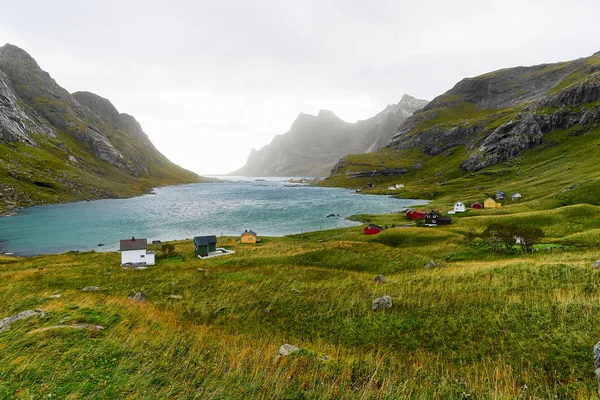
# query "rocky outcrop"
(16, 125)
(498, 116)
(6, 323)
(315, 143)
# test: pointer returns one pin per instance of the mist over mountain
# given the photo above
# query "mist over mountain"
(314, 144)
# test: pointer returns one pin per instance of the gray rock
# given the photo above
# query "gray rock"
(201, 270)
(54, 296)
(433, 264)
(88, 327)
(381, 303)
(90, 289)
(140, 297)
(176, 297)
(8, 321)
(597, 364)
(287, 349)
(380, 279)
(597, 264)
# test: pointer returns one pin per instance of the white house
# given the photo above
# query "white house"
(459, 207)
(516, 196)
(133, 251)
(396, 186)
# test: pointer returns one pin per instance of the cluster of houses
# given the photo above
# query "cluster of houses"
(434, 218)
(135, 251)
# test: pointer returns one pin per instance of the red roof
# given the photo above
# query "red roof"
(373, 229)
(415, 214)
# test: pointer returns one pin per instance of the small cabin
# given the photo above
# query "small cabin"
(500, 195)
(249, 237)
(373, 229)
(477, 206)
(459, 207)
(134, 251)
(491, 203)
(415, 214)
(434, 218)
(204, 245)
(516, 196)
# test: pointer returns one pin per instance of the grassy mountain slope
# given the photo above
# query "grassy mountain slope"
(529, 130)
(54, 148)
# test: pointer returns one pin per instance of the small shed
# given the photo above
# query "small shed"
(500, 195)
(491, 203)
(477, 205)
(433, 218)
(459, 207)
(203, 245)
(373, 229)
(516, 196)
(134, 251)
(416, 214)
(249, 237)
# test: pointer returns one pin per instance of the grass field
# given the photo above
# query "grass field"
(483, 325)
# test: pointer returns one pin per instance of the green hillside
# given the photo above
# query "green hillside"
(58, 147)
(534, 132)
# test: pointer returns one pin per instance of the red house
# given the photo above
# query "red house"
(414, 214)
(477, 205)
(373, 229)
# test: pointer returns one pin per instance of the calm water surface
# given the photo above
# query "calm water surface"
(178, 212)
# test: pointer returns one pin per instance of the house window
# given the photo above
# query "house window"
(142, 256)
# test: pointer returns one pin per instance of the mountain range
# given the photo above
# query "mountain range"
(314, 144)
(56, 146)
(530, 129)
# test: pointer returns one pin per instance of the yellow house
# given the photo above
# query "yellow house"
(491, 203)
(249, 237)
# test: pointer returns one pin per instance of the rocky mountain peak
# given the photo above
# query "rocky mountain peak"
(328, 115)
(17, 54)
(315, 143)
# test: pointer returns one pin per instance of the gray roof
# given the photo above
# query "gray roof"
(250, 232)
(205, 240)
(134, 244)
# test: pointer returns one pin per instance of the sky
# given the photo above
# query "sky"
(210, 80)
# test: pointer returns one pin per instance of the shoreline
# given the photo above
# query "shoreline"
(23, 249)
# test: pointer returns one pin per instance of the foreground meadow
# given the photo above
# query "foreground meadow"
(483, 325)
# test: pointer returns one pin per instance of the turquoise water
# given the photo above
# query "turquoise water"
(178, 212)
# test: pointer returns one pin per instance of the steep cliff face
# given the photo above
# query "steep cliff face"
(314, 143)
(55, 146)
(499, 115)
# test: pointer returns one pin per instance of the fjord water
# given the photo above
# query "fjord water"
(271, 208)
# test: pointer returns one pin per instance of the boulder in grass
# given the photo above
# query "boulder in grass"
(139, 297)
(597, 264)
(287, 349)
(8, 321)
(597, 364)
(380, 279)
(381, 303)
(91, 289)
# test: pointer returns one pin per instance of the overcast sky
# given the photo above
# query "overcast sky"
(210, 80)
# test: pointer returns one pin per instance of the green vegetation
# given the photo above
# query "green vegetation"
(45, 174)
(484, 325)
